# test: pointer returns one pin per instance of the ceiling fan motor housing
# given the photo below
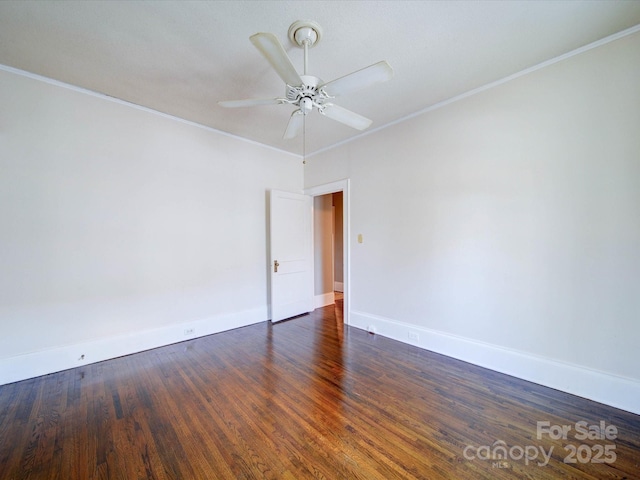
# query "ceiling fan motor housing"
(307, 95)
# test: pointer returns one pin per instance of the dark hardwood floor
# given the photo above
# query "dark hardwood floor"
(306, 398)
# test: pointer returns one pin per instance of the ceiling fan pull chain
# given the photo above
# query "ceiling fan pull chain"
(304, 140)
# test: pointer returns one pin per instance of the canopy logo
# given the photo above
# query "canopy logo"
(499, 452)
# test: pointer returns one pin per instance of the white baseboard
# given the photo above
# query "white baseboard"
(338, 286)
(324, 300)
(21, 367)
(616, 391)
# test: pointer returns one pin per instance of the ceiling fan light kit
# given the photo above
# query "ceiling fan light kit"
(307, 91)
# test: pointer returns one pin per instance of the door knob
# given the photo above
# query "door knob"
(275, 266)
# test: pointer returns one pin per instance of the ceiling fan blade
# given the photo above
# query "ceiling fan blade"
(376, 73)
(345, 116)
(251, 102)
(272, 49)
(294, 127)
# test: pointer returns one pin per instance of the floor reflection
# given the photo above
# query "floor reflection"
(303, 368)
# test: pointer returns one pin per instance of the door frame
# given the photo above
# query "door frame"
(334, 187)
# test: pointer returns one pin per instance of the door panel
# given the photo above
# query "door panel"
(291, 248)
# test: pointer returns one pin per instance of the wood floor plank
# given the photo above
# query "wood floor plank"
(305, 398)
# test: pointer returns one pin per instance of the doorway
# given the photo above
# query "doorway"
(328, 242)
(340, 214)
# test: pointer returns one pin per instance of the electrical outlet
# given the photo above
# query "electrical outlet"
(414, 336)
(189, 331)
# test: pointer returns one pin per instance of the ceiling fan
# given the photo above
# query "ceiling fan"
(306, 91)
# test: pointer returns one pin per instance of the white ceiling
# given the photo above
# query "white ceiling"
(182, 57)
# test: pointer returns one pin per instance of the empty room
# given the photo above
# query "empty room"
(319, 239)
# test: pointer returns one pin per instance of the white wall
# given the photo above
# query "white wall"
(122, 228)
(504, 228)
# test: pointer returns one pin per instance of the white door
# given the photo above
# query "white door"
(291, 255)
